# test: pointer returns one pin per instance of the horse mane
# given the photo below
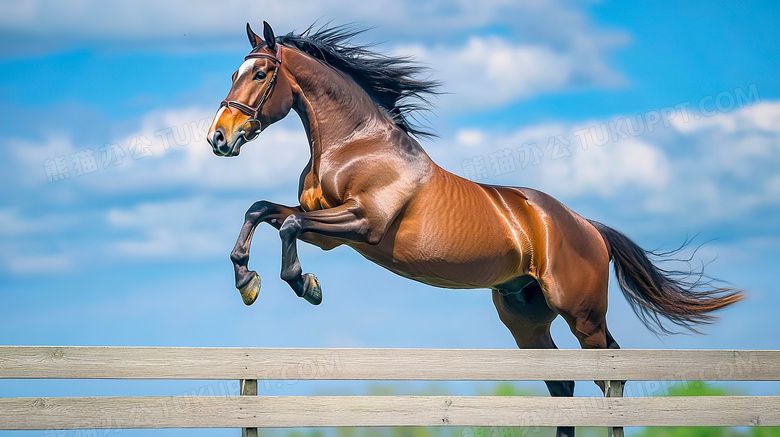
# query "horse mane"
(392, 82)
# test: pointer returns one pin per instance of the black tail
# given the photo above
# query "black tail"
(684, 298)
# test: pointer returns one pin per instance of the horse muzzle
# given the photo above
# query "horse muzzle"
(223, 146)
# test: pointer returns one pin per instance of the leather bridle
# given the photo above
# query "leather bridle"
(252, 127)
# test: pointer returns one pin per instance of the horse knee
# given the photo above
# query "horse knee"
(256, 210)
(291, 228)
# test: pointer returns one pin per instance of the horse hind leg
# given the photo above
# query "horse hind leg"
(590, 328)
(528, 318)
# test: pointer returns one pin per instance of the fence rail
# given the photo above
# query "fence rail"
(388, 364)
(252, 364)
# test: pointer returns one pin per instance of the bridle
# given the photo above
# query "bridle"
(254, 127)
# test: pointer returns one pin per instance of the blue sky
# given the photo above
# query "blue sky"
(116, 220)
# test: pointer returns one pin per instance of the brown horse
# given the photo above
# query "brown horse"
(370, 185)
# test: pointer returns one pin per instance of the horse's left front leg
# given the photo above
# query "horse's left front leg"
(347, 221)
(247, 281)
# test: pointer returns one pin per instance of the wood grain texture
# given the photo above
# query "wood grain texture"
(387, 364)
(328, 411)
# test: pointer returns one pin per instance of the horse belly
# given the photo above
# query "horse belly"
(450, 248)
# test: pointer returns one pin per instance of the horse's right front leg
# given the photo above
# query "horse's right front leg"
(248, 281)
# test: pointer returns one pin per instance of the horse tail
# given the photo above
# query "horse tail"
(684, 298)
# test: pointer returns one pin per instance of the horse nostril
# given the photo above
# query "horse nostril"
(217, 138)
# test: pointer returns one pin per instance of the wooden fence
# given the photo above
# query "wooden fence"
(250, 365)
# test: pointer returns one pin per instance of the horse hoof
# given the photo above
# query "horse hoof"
(250, 290)
(311, 289)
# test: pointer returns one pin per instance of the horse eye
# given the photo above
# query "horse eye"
(260, 75)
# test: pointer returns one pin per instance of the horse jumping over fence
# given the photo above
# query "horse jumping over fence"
(370, 185)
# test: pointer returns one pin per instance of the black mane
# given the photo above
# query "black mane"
(392, 82)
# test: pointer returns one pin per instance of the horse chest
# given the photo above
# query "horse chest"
(312, 199)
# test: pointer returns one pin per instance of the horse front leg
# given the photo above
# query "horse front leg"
(344, 222)
(248, 281)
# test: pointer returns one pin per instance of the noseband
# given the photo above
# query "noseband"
(251, 128)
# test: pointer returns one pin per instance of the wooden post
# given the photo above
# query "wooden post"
(248, 388)
(615, 389)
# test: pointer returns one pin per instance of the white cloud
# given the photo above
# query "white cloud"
(42, 264)
(607, 170)
(178, 229)
(31, 241)
(36, 264)
(721, 169)
(182, 157)
(470, 137)
(491, 71)
(200, 198)
(763, 117)
(168, 150)
(712, 169)
(562, 166)
(190, 23)
(715, 169)
(544, 47)
(12, 224)
(728, 165)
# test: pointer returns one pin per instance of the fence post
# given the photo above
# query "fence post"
(248, 388)
(615, 389)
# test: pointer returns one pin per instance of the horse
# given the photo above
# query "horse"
(370, 185)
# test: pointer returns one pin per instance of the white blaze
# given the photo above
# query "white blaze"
(216, 117)
(246, 66)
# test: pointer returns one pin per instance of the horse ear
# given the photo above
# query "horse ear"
(268, 34)
(254, 39)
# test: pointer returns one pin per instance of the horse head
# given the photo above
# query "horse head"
(261, 95)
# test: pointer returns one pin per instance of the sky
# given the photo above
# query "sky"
(116, 220)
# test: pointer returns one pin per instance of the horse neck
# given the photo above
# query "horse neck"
(335, 110)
